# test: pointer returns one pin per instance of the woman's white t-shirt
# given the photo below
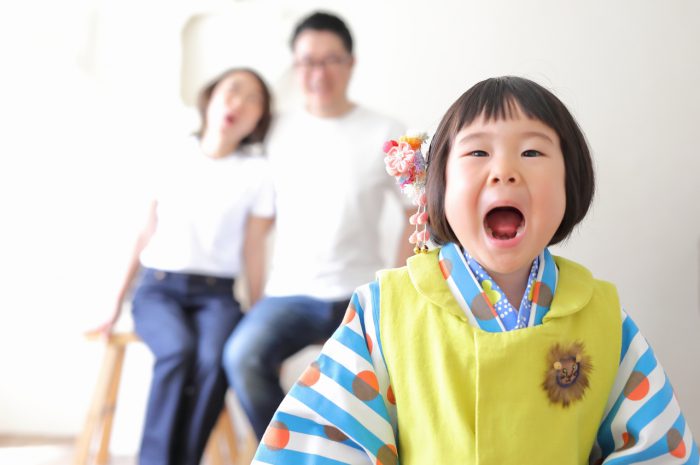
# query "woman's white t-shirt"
(202, 207)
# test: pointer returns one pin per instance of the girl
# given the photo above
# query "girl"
(488, 350)
(213, 206)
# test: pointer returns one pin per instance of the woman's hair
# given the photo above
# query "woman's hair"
(320, 21)
(260, 131)
(496, 99)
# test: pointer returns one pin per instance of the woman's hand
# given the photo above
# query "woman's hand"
(105, 329)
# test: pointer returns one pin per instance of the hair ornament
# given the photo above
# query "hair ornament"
(405, 162)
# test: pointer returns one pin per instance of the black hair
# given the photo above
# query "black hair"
(321, 21)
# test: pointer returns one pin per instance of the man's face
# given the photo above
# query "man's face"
(323, 68)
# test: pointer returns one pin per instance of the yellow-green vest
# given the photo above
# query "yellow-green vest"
(466, 396)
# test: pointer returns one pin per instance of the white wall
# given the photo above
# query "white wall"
(92, 86)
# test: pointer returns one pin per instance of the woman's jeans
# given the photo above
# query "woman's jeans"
(184, 319)
(273, 330)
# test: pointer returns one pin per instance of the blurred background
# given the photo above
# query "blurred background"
(91, 91)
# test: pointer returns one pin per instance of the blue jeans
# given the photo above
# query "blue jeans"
(273, 330)
(184, 320)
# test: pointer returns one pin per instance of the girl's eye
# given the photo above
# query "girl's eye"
(532, 153)
(478, 153)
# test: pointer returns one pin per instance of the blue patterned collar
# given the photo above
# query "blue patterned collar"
(486, 305)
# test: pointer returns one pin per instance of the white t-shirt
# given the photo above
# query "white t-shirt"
(202, 207)
(330, 185)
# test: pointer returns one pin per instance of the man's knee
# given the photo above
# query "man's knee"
(238, 354)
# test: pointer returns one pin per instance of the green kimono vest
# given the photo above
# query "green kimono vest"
(467, 396)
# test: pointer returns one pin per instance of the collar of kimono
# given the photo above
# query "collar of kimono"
(456, 289)
(502, 314)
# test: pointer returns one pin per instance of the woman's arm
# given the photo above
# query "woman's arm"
(254, 247)
(132, 268)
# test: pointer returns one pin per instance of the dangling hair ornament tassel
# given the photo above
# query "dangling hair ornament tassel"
(405, 161)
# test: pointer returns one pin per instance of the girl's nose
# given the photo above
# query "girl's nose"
(504, 173)
(504, 179)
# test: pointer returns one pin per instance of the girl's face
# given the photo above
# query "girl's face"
(236, 106)
(505, 192)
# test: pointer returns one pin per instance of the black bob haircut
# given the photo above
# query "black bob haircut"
(496, 99)
(320, 21)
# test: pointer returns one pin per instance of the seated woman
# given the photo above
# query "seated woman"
(212, 210)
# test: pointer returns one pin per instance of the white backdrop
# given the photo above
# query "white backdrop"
(91, 88)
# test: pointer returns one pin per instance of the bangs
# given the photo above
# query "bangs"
(500, 98)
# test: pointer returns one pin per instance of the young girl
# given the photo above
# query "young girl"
(488, 350)
(212, 207)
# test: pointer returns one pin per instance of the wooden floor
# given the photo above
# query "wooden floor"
(21, 450)
(38, 450)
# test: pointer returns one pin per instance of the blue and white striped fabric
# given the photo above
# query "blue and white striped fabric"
(342, 410)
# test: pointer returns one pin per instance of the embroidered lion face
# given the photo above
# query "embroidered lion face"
(568, 368)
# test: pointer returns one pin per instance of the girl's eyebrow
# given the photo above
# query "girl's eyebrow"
(473, 135)
(478, 135)
(538, 134)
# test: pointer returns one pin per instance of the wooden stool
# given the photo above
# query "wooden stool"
(104, 401)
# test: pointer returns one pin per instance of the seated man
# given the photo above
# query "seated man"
(328, 172)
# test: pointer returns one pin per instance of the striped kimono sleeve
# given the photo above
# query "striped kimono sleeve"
(642, 420)
(341, 409)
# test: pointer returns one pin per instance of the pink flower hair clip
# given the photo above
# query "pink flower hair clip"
(405, 161)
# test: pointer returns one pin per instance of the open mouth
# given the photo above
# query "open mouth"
(503, 223)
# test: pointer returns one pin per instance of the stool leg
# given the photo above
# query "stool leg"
(251, 446)
(110, 405)
(213, 451)
(95, 414)
(225, 426)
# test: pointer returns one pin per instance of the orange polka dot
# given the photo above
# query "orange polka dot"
(679, 451)
(369, 378)
(544, 295)
(311, 375)
(446, 268)
(349, 314)
(365, 386)
(390, 396)
(387, 455)
(676, 446)
(276, 436)
(369, 343)
(637, 386)
(627, 441)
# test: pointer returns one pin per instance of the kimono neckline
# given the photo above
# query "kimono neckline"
(428, 274)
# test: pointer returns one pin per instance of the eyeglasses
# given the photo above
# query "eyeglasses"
(329, 62)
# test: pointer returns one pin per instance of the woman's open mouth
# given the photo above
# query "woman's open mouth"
(504, 223)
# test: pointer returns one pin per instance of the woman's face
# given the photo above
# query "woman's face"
(236, 105)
